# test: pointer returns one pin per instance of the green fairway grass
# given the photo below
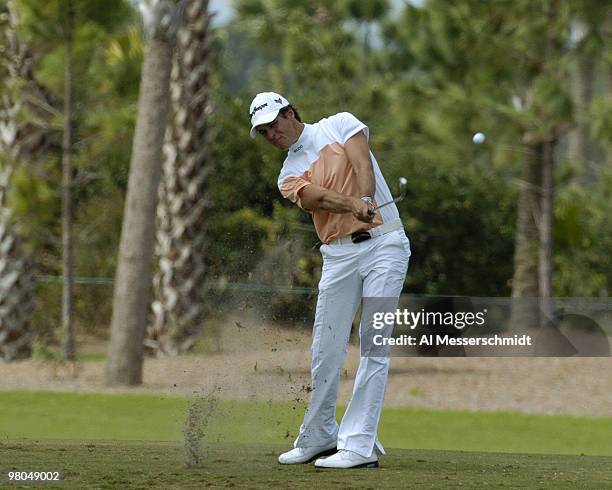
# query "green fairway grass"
(99, 464)
(90, 416)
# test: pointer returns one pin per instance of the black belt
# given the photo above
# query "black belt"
(360, 236)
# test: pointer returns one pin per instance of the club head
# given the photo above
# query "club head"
(402, 187)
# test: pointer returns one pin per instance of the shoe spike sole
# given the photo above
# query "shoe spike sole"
(372, 464)
(324, 454)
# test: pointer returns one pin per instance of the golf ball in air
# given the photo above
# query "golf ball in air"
(479, 138)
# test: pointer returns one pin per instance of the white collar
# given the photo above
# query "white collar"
(295, 147)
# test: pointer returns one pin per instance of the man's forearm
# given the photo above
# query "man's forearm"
(358, 153)
(315, 197)
(335, 202)
(365, 177)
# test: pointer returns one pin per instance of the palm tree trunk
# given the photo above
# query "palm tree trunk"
(68, 344)
(16, 284)
(607, 76)
(21, 141)
(532, 281)
(525, 281)
(133, 278)
(545, 255)
(579, 144)
(179, 306)
(545, 231)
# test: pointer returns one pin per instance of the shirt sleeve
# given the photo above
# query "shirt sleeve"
(291, 186)
(347, 125)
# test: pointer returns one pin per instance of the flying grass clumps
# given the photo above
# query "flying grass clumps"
(199, 412)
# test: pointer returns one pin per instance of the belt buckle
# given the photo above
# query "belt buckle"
(360, 236)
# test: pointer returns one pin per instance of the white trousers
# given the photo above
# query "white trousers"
(374, 268)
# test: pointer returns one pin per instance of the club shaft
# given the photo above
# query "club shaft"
(396, 200)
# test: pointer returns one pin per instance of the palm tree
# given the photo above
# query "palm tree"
(68, 342)
(133, 278)
(16, 283)
(525, 281)
(590, 28)
(22, 140)
(533, 268)
(178, 309)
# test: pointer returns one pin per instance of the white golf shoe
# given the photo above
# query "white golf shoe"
(347, 459)
(300, 455)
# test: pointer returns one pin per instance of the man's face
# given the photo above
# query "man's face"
(281, 132)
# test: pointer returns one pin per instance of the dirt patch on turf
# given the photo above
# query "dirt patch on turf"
(251, 361)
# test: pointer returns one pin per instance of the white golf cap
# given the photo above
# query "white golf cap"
(265, 108)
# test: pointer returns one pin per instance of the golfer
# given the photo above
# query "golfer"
(330, 172)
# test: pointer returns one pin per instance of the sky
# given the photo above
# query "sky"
(224, 10)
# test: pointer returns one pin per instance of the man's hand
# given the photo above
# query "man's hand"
(361, 210)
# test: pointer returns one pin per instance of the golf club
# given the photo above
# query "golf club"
(401, 195)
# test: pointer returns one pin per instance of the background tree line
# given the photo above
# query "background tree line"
(525, 211)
